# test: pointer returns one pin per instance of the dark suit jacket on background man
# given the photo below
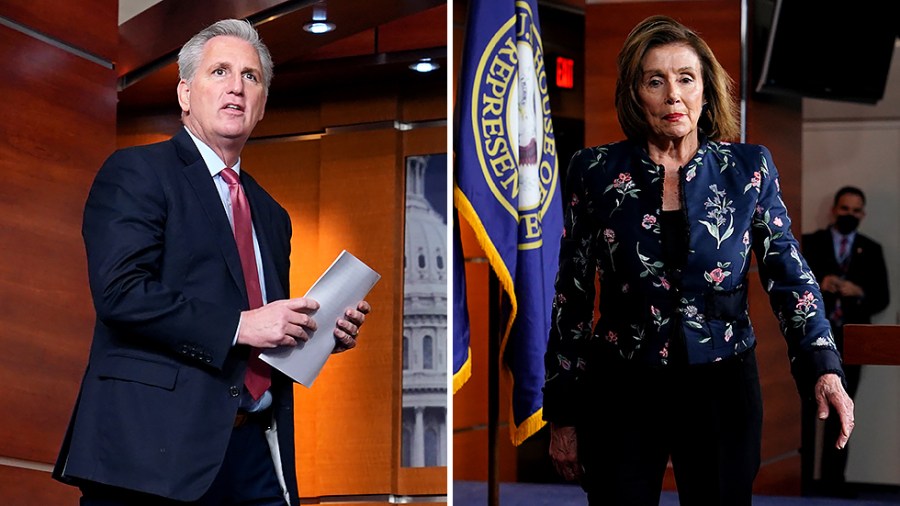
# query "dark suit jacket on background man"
(866, 268)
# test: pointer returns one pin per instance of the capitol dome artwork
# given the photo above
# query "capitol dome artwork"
(425, 347)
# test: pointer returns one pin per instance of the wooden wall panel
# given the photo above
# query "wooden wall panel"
(358, 44)
(140, 130)
(473, 446)
(470, 403)
(62, 129)
(59, 129)
(470, 406)
(459, 37)
(415, 31)
(90, 25)
(304, 118)
(420, 104)
(426, 141)
(346, 108)
(362, 168)
(777, 124)
(28, 487)
(867, 344)
(422, 481)
(289, 171)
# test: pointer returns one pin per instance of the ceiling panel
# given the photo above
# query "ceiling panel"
(374, 41)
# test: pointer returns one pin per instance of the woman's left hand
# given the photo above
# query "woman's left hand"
(829, 391)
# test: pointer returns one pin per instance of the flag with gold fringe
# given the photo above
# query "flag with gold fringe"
(462, 355)
(506, 184)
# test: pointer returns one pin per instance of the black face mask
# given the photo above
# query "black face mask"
(846, 223)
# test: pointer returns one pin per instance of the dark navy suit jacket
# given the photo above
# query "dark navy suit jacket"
(159, 397)
(866, 268)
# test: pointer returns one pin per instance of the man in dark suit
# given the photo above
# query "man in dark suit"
(188, 261)
(851, 272)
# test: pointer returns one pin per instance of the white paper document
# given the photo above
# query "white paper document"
(341, 286)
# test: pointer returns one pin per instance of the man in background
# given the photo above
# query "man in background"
(188, 262)
(851, 272)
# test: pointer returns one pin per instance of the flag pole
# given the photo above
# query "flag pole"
(494, 333)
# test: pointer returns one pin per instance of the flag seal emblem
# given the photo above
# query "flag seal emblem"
(511, 124)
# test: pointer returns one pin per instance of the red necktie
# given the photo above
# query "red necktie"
(843, 258)
(837, 315)
(258, 377)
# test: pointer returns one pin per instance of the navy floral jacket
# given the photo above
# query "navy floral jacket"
(732, 200)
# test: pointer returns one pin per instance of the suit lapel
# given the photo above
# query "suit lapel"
(197, 175)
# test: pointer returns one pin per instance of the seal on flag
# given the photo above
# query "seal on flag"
(512, 126)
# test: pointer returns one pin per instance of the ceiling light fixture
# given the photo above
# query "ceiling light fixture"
(319, 23)
(424, 65)
(318, 27)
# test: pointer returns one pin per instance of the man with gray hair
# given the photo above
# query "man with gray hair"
(188, 263)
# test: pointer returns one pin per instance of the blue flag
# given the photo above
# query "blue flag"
(506, 184)
(462, 357)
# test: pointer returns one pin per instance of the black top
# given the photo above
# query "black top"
(674, 230)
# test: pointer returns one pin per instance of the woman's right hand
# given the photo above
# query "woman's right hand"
(564, 452)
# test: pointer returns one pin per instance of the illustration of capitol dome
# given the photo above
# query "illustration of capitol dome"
(424, 323)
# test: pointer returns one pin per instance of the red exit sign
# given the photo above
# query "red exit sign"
(565, 72)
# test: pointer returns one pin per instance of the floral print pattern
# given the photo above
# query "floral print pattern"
(718, 275)
(754, 182)
(804, 309)
(609, 235)
(625, 187)
(649, 222)
(745, 254)
(719, 210)
(733, 205)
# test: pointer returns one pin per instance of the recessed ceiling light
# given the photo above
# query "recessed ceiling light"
(424, 65)
(318, 27)
(319, 23)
